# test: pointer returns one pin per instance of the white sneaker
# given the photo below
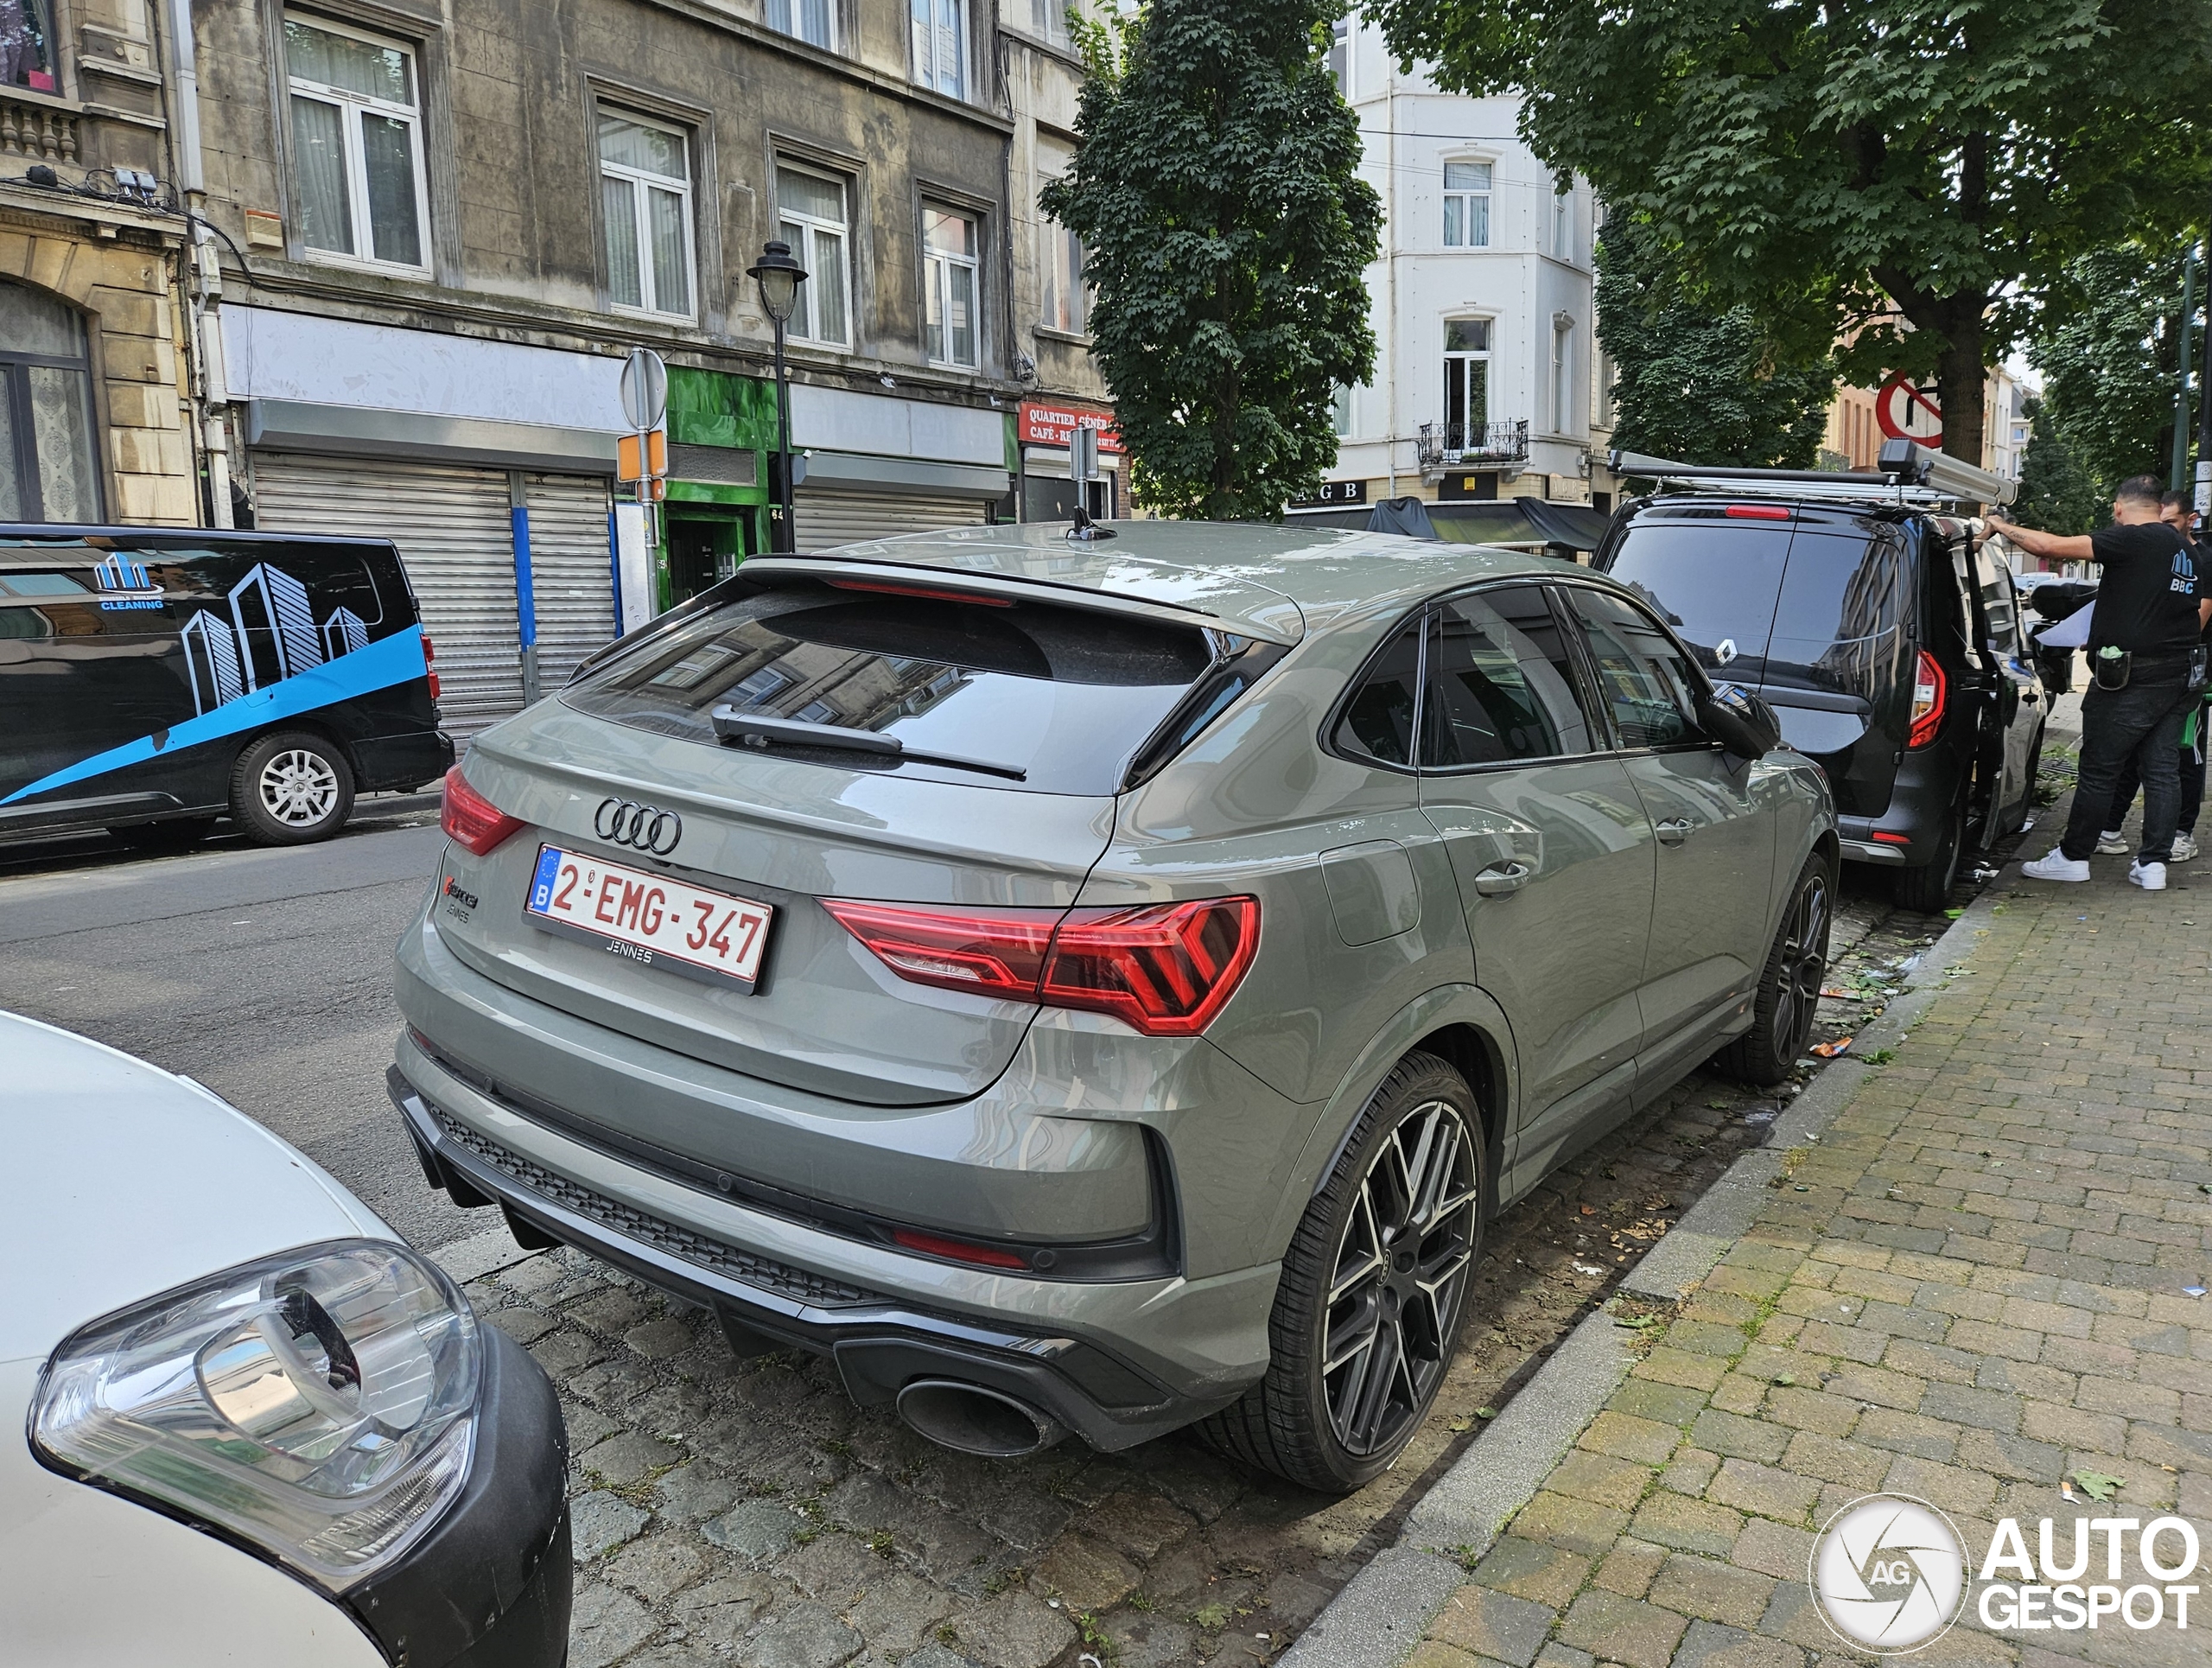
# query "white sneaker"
(2060, 867)
(2184, 847)
(2113, 843)
(2152, 877)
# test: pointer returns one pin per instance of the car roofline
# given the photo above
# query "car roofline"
(931, 577)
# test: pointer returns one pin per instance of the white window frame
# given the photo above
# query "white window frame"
(638, 179)
(1048, 20)
(936, 280)
(1467, 200)
(1343, 411)
(351, 108)
(926, 32)
(791, 11)
(1455, 361)
(804, 316)
(1562, 390)
(1065, 295)
(1342, 35)
(1563, 225)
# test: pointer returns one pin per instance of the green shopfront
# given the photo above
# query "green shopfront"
(722, 429)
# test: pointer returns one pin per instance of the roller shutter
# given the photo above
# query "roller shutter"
(828, 519)
(571, 571)
(456, 540)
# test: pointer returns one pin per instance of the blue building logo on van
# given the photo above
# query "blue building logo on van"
(124, 583)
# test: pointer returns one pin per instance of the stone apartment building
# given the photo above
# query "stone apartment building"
(437, 226)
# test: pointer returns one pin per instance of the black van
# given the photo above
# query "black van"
(1889, 647)
(151, 679)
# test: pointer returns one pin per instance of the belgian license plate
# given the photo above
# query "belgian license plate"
(653, 920)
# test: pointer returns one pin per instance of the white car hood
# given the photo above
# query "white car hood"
(119, 1181)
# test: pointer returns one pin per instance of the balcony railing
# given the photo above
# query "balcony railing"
(1441, 444)
(36, 132)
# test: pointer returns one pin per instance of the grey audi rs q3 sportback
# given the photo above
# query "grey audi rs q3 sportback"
(1103, 985)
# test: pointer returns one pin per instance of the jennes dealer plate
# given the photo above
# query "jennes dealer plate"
(654, 920)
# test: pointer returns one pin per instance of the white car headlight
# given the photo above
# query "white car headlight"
(320, 1403)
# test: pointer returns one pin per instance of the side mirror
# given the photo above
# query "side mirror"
(1739, 721)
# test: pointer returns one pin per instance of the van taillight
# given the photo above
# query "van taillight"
(1928, 689)
(1165, 969)
(430, 655)
(471, 819)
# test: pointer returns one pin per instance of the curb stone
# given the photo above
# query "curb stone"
(1378, 1619)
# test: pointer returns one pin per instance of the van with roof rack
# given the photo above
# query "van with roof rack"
(1859, 606)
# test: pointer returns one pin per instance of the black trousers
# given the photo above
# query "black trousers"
(2191, 764)
(2141, 722)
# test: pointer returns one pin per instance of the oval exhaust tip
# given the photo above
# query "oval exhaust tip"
(973, 1420)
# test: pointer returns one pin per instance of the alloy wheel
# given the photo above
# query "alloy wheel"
(1804, 964)
(298, 788)
(1399, 1274)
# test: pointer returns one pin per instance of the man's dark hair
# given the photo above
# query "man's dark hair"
(2186, 502)
(2139, 489)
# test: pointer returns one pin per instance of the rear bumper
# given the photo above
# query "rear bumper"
(405, 760)
(1908, 833)
(1117, 1363)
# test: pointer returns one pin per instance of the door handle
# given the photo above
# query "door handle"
(1674, 832)
(1501, 878)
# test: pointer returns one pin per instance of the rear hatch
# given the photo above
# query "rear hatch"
(1811, 607)
(1018, 720)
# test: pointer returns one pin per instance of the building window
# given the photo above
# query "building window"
(940, 45)
(1467, 205)
(1466, 383)
(1563, 225)
(49, 470)
(811, 20)
(810, 211)
(1340, 411)
(1340, 55)
(645, 187)
(1562, 376)
(949, 253)
(1067, 299)
(26, 45)
(1048, 20)
(356, 146)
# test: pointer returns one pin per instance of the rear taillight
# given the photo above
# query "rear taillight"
(993, 952)
(470, 819)
(1929, 690)
(1164, 969)
(429, 655)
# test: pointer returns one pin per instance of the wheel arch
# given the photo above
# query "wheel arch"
(307, 723)
(1460, 1024)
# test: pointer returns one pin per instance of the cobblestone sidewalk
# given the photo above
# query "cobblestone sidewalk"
(1969, 1291)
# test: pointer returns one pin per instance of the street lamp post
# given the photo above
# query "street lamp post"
(780, 276)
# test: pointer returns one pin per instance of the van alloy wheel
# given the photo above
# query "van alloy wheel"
(298, 788)
(1401, 1272)
(1804, 961)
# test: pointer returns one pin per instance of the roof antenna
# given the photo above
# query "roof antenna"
(1083, 464)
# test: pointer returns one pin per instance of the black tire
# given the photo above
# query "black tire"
(1927, 890)
(177, 834)
(291, 788)
(1313, 1424)
(1789, 983)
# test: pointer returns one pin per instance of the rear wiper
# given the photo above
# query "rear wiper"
(734, 723)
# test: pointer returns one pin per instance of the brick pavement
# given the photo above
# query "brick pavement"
(1969, 1289)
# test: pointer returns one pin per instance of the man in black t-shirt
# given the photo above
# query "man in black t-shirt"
(2176, 510)
(2141, 637)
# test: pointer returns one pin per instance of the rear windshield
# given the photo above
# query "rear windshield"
(1065, 695)
(1715, 583)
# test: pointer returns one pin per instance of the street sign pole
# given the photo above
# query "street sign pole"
(644, 403)
(2179, 472)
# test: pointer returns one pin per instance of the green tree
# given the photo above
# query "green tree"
(1215, 188)
(2058, 494)
(2110, 355)
(1694, 382)
(1942, 158)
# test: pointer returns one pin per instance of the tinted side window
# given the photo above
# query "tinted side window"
(1715, 581)
(1501, 684)
(1643, 678)
(1378, 720)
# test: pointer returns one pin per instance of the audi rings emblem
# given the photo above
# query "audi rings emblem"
(644, 827)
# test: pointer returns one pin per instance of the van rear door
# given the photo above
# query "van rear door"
(1839, 667)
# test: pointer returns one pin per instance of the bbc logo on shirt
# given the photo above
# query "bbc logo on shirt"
(2184, 579)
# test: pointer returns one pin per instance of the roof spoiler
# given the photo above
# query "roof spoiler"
(1907, 473)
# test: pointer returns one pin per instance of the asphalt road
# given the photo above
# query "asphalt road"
(264, 972)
